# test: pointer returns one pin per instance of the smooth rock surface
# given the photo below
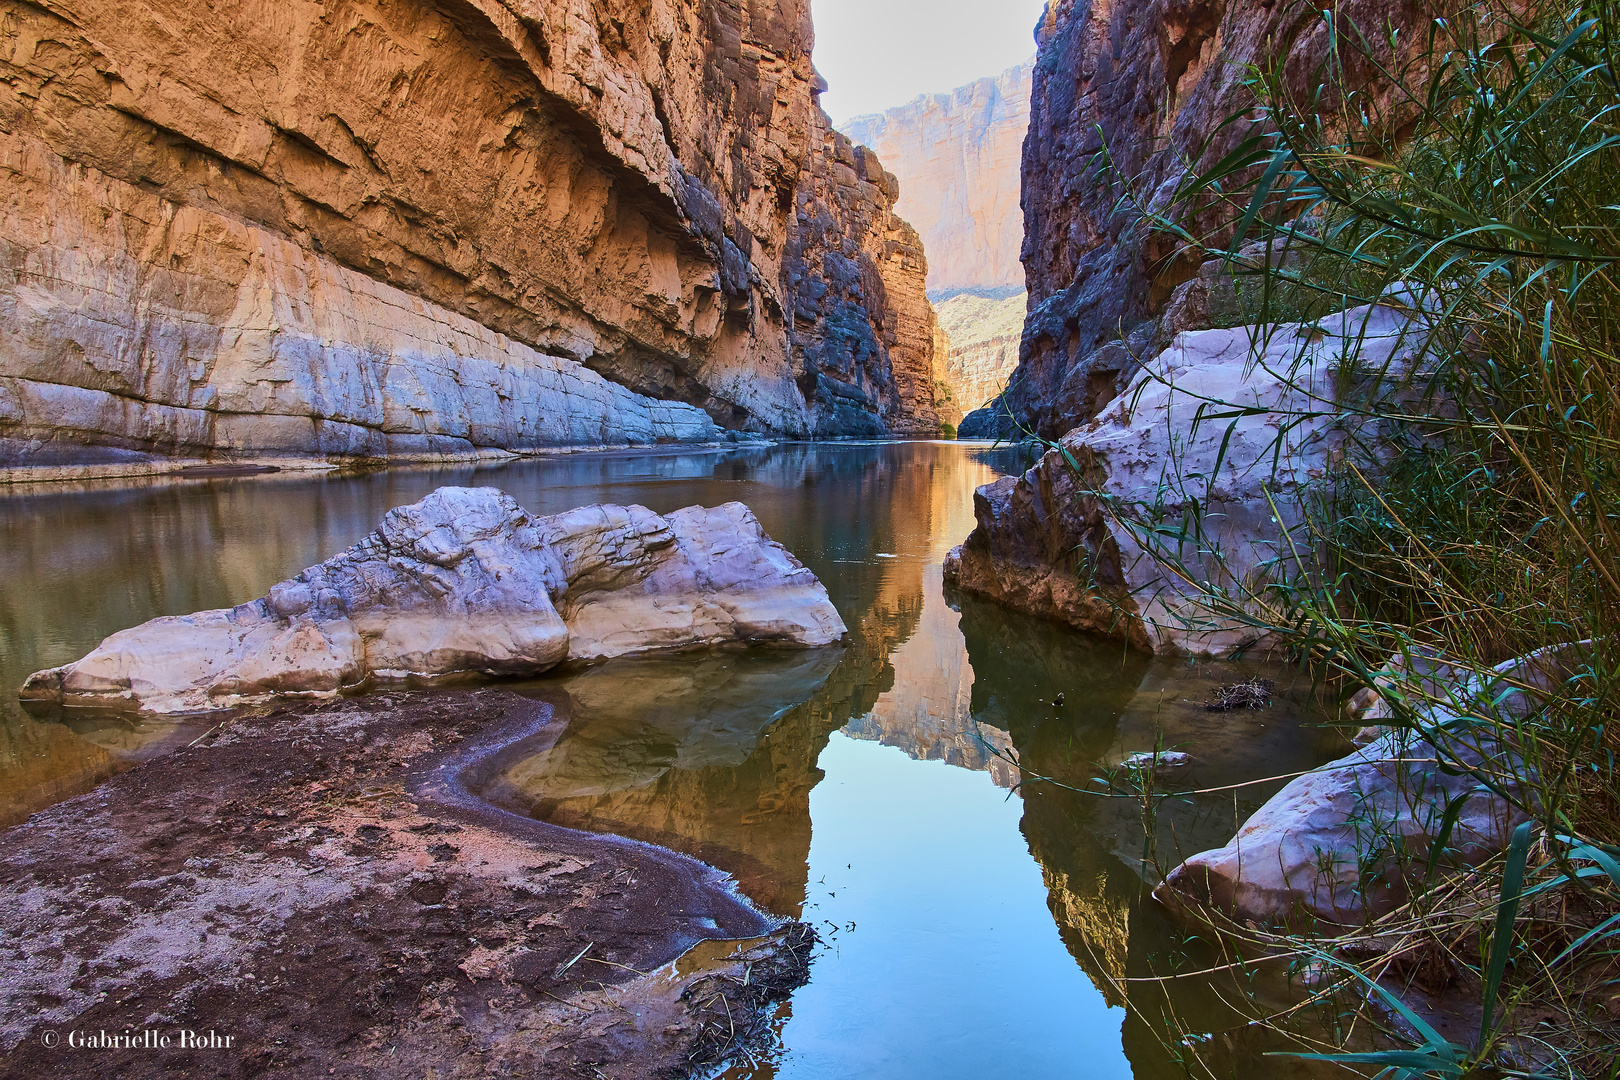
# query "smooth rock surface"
(1046, 542)
(466, 581)
(1342, 843)
(1352, 839)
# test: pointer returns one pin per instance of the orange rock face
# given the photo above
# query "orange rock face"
(212, 210)
(957, 156)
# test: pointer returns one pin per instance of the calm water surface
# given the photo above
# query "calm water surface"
(973, 926)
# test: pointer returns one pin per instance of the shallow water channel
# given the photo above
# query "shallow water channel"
(971, 928)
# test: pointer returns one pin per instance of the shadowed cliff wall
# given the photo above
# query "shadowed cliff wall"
(1150, 83)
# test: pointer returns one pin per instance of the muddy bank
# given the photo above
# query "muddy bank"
(318, 885)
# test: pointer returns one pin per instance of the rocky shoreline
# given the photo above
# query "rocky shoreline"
(321, 884)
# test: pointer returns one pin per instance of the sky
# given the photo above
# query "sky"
(877, 54)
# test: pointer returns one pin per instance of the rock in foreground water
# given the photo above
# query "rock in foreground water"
(1354, 838)
(1191, 486)
(466, 581)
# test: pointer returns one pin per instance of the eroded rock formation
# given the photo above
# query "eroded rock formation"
(1150, 84)
(418, 229)
(957, 156)
(863, 332)
(467, 581)
(982, 335)
(1081, 536)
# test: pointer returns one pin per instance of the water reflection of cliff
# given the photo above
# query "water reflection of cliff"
(1095, 854)
(716, 757)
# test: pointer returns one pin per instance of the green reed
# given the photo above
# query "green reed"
(1468, 175)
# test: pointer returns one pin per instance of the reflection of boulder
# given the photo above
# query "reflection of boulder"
(42, 764)
(717, 757)
(714, 757)
(467, 581)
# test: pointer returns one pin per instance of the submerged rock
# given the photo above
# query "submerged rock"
(1158, 762)
(1353, 839)
(465, 581)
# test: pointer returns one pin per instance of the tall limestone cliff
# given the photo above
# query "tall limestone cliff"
(957, 157)
(415, 229)
(981, 351)
(1151, 84)
(855, 272)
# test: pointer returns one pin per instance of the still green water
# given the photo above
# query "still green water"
(972, 927)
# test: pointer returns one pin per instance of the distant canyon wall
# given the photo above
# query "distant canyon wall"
(432, 227)
(1151, 84)
(957, 157)
(982, 335)
(863, 331)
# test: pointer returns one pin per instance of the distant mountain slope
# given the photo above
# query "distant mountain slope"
(984, 332)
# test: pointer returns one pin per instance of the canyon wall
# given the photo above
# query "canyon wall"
(1152, 85)
(957, 157)
(981, 351)
(424, 228)
(862, 329)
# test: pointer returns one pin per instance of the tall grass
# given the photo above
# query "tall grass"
(1487, 524)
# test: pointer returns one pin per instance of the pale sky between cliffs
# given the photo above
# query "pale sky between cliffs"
(877, 54)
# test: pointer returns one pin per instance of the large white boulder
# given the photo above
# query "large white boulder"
(1355, 837)
(467, 581)
(1220, 435)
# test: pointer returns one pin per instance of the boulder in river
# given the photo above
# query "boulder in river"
(1220, 440)
(1352, 839)
(466, 581)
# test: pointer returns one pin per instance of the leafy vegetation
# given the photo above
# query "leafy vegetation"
(1486, 525)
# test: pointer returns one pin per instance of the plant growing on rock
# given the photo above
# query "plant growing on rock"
(1471, 514)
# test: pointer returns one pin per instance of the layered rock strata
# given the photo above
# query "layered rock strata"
(421, 229)
(1162, 523)
(863, 331)
(957, 156)
(466, 581)
(982, 334)
(1152, 86)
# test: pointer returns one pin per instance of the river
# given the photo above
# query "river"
(905, 793)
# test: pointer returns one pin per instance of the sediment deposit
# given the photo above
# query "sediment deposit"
(322, 886)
